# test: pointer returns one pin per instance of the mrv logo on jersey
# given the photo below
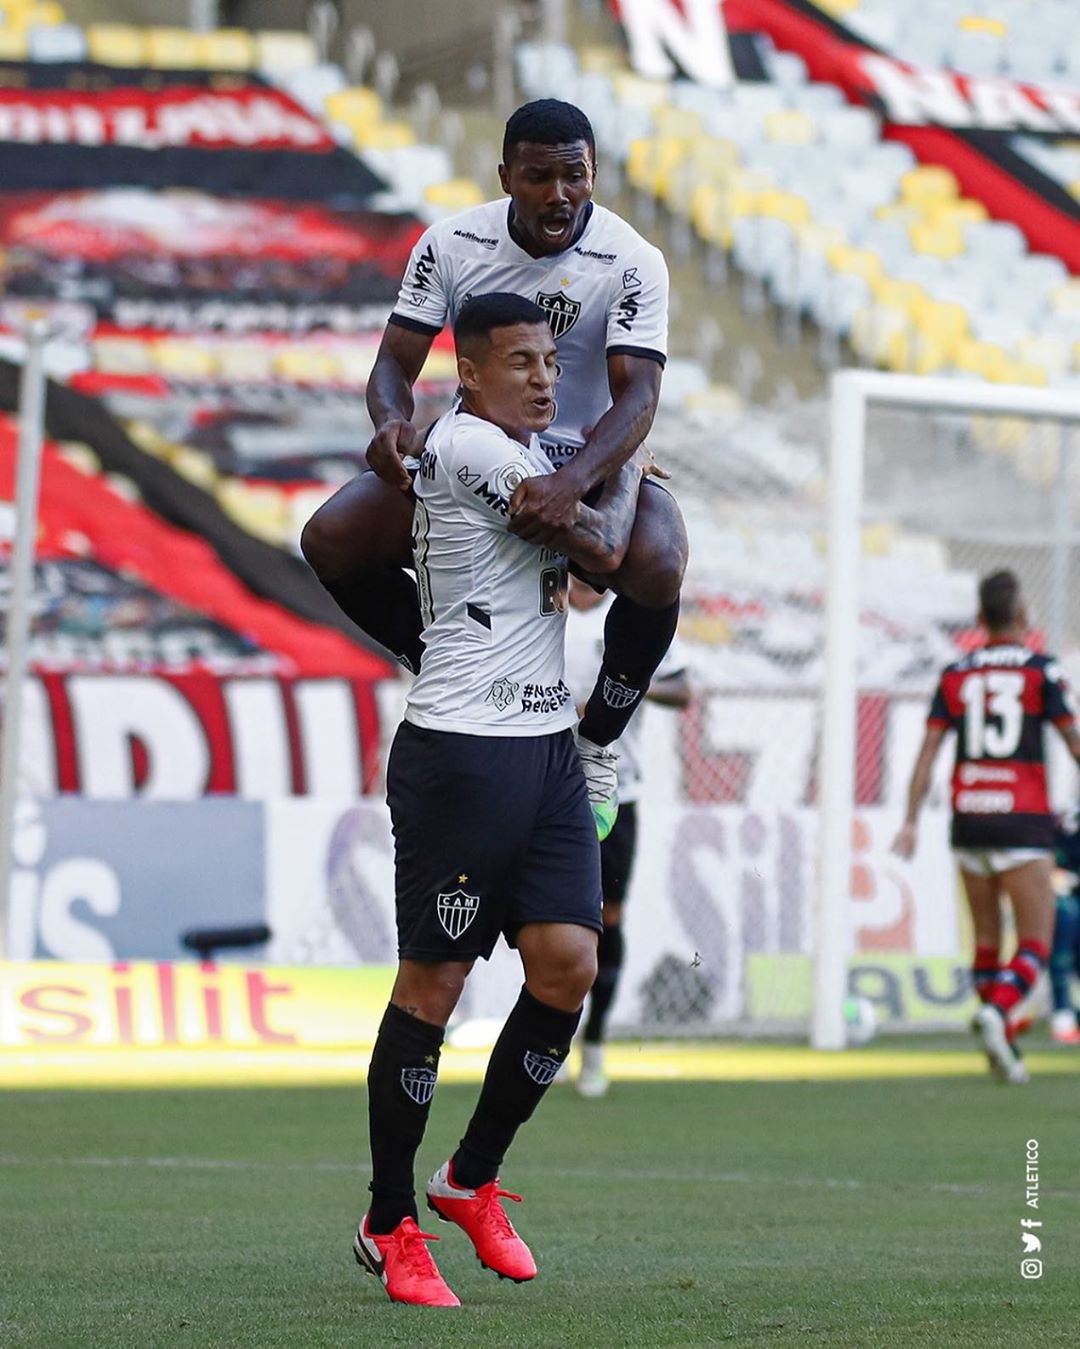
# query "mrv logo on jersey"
(456, 911)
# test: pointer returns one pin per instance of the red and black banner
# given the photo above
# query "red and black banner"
(82, 125)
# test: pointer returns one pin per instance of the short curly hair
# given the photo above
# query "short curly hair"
(547, 121)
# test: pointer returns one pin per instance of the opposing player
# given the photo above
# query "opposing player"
(604, 291)
(493, 831)
(998, 699)
(670, 687)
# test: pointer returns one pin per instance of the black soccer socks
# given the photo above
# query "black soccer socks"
(529, 1052)
(636, 640)
(401, 1082)
(381, 600)
(609, 963)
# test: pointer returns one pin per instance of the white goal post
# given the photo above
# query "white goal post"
(853, 394)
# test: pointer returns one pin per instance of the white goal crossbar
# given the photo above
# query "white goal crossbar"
(853, 392)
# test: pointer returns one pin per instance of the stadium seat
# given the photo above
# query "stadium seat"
(184, 359)
(122, 355)
(928, 184)
(937, 240)
(14, 45)
(279, 53)
(385, 136)
(61, 42)
(242, 362)
(172, 48)
(357, 108)
(306, 364)
(790, 127)
(227, 49)
(456, 194)
(312, 86)
(116, 44)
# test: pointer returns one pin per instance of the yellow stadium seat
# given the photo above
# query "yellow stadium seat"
(122, 356)
(385, 136)
(945, 323)
(440, 364)
(964, 211)
(878, 331)
(42, 15)
(307, 365)
(196, 466)
(172, 48)
(357, 107)
(714, 156)
(226, 49)
(456, 194)
(937, 241)
(906, 296)
(678, 122)
(839, 7)
(929, 354)
(1023, 372)
(858, 261)
(789, 127)
(816, 238)
(1049, 353)
(116, 44)
(184, 360)
(14, 45)
(927, 184)
(650, 161)
(601, 60)
(786, 206)
(982, 358)
(280, 52)
(900, 211)
(244, 361)
(980, 23)
(263, 511)
(637, 89)
(707, 206)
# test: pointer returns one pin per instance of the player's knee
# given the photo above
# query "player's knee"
(320, 547)
(657, 579)
(566, 977)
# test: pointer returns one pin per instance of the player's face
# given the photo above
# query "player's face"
(512, 381)
(551, 185)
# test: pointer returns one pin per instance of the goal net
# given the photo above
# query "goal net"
(836, 550)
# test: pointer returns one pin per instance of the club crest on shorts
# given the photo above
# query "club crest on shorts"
(456, 911)
(619, 695)
(419, 1084)
(562, 312)
(541, 1068)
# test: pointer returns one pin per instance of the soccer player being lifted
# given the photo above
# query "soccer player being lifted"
(998, 700)
(493, 831)
(604, 291)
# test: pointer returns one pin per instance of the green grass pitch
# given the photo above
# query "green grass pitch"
(868, 1212)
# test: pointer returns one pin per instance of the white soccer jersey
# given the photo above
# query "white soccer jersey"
(494, 607)
(584, 648)
(606, 294)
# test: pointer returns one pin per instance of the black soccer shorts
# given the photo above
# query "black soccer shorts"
(490, 833)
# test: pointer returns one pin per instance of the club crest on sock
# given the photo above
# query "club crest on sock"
(456, 911)
(541, 1068)
(419, 1084)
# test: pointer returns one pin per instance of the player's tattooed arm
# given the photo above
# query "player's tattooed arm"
(634, 383)
(599, 537)
(390, 402)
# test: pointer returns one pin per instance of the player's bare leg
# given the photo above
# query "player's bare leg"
(984, 902)
(358, 544)
(637, 633)
(560, 967)
(401, 1084)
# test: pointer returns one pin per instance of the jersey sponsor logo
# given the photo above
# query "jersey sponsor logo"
(422, 273)
(970, 773)
(628, 310)
(466, 477)
(508, 479)
(606, 258)
(541, 1067)
(619, 695)
(985, 802)
(544, 698)
(491, 497)
(489, 244)
(428, 460)
(418, 299)
(418, 1084)
(630, 278)
(562, 312)
(456, 911)
(502, 693)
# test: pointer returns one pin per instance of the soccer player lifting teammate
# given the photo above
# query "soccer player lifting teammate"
(603, 289)
(998, 699)
(493, 831)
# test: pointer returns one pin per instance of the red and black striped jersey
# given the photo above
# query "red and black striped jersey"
(998, 700)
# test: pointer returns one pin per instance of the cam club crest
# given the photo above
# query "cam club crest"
(619, 695)
(418, 1084)
(541, 1068)
(562, 312)
(456, 911)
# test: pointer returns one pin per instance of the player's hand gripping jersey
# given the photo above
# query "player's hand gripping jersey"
(605, 295)
(494, 607)
(998, 700)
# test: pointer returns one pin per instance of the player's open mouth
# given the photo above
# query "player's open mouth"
(556, 228)
(542, 405)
